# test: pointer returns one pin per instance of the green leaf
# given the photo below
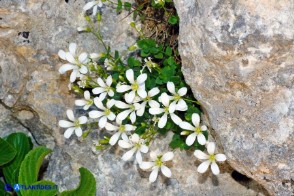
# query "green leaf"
(132, 62)
(191, 110)
(159, 56)
(3, 192)
(23, 145)
(49, 189)
(31, 164)
(173, 20)
(119, 6)
(87, 185)
(178, 142)
(168, 51)
(127, 6)
(7, 152)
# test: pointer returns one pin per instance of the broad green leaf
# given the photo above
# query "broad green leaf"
(43, 187)
(87, 185)
(119, 6)
(159, 56)
(178, 142)
(7, 152)
(23, 145)
(173, 20)
(168, 51)
(127, 6)
(31, 164)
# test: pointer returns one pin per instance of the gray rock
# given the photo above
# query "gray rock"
(238, 59)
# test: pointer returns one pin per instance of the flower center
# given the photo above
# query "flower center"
(158, 161)
(107, 112)
(76, 124)
(212, 157)
(90, 102)
(166, 109)
(147, 98)
(132, 107)
(107, 88)
(198, 130)
(177, 97)
(137, 145)
(135, 86)
(122, 128)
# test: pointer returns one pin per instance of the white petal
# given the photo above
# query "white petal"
(133, 117)
(122, 88)
(141, 111)
(165, 99)
(155, 111)
(139, 157)
(128, 155)
(114, 139)
(142, 78)
(62, 54)
(83, 69)
(211, 147)
(100, 4)
(73, 76)
(201, 139)
(65, 124)
(186, 126)
(95, 8)
(172, 107)
(220, 157)
(111, 93)
(171, 87)
(102, 122)
(110, 103)
(177, 120)
(95, 114)
(83, 57)
(146, 165)
(69, 132)
(124, 144)
(121, 105)
(154, 155)
(200, 155)
(191, 139)
(109, 80)
(182, 106)
(89, 5)
(70, 58)
(101, 82)
(166, 171)
(129, 127)
(167, 156)
(87, 95)
(124, 137)
(130, 75)
(70, 115)
(80, 102)
(142, 93)
(203, 128)
(153, 175)
(162, 121)
(135, 138)
(78, 132)
(98, 90)
(86, 107)
(214, 168)
(124, 114)
(102, 96)
(182, 91)
(129, 97)
(144, 149)
(111, 116)
(153, 92)
(203, 166)
(83, 120)
(95, 56)
(196, 119)
(153, 104)
(66, 67)
(72, 48)
(99, 104)
(110, 127)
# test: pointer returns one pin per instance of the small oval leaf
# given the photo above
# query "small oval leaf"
(7, 152)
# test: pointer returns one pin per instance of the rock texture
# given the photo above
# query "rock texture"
(33, 97)
(238, 59)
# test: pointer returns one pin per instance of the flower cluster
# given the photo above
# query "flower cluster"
(134, 104)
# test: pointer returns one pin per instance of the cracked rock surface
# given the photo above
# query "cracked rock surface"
(34, 97)
(238, 59)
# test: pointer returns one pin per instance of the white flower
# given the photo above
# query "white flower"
(131, 110)
(75, 125)
(105, 114)
(153, 104)
(158, 164)
(210, 159)
(104, 89)
(87, 102)
(137, 146)
(177, 96)
(95, 56)
(76, 62)
(168, 109)
(137, 86)
(121, 131)
(109, 64)
(94, 5)
(149, 64)
(197, 130)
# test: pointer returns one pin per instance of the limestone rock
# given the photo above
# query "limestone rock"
(238, 59)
